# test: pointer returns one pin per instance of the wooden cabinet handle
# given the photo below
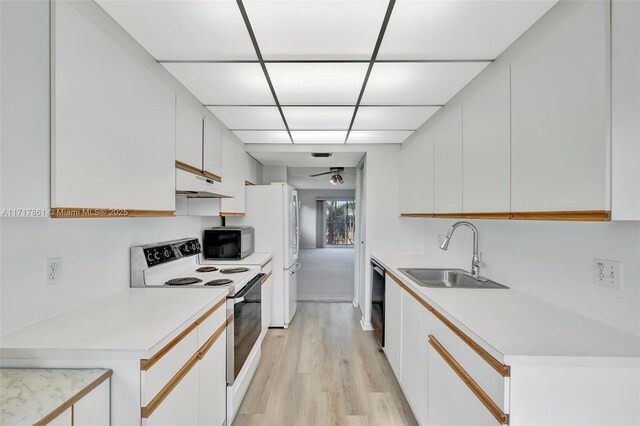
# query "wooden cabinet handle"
(265, 278)
(468, 380)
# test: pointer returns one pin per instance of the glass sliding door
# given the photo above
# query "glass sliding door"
(339, 216)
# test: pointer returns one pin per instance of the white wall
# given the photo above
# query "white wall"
(274, 174)
(550, 260)
(308, 198)
(94, 252)
(95, 260)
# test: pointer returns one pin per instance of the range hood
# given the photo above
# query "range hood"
(196, 186)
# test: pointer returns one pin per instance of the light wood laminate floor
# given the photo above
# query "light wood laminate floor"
(323, 370)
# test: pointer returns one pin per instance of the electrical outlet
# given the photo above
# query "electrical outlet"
(607, 273)
(53, 270)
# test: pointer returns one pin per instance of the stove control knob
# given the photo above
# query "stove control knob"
(167, 253)
(186, 248)
(150, 257)
(197, 246)
(157, 255)
(193, 246)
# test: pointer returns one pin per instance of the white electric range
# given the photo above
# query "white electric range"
(174, 265)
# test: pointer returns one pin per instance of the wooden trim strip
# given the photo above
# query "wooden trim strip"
(502, 369)
(146, 364)
(75, 398)
(265, 278)
(188, 168)
(249, 183)
(578, 215)
(211, 176)
(171, 384)
(228, 214)
(193, 360)
(486, 400)
(585, 215)
(262, 265)
(411, 292)
(102, 213)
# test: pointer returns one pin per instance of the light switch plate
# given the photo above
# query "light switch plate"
(607, 273)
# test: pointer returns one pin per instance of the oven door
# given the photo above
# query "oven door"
(247, 325)
(377, 300)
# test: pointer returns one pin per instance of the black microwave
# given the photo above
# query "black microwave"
(228, 242)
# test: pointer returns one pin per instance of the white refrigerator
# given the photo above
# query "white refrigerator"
(273, 211)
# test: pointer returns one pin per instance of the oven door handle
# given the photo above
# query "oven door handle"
(238, 300)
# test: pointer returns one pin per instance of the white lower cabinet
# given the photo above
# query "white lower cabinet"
(451, 402)
(94, 409)
(393, 325)
(198, 397)
(180, 407)
(414, 354)
(212, 385)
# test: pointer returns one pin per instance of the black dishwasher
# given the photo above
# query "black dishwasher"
(377, 300)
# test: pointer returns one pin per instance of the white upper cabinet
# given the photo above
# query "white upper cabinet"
(189, 128)
(113, 121)
(212, 150)
(487, 147)
(448, 162)
(233, 169)
(416, 174)
(198, 141)
(560, 115)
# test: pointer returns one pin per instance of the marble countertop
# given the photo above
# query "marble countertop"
(28, 395)
(128, 323)
(252, 259)
(514, 323)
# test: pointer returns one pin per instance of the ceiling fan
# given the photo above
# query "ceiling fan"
(335, 175)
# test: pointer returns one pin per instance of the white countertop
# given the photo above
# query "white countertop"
(252, 259)
(132, 320)
(27, 395)
(516, 324)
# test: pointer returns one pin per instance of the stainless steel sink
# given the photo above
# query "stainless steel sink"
(448, 278)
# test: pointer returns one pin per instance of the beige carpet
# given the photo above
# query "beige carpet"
(326, 274)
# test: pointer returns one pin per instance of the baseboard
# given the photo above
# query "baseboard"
(366, 326)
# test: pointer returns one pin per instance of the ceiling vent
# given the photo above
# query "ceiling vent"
(321, 154)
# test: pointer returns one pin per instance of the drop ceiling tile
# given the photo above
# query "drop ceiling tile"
(184, 30)
(392, 118)
(418, 83)
(317, 83)
(224, 83)
(378, 136)
(463, 29)
(263, 136)
(249, 118)
(318, 137)
(316, 29)
(318, 118)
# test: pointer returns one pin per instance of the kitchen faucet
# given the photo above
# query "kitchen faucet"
(475, 262)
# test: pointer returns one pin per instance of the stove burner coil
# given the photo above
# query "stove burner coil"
(207, 269)
(233, 270)
(184, 281)
(221, 281)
